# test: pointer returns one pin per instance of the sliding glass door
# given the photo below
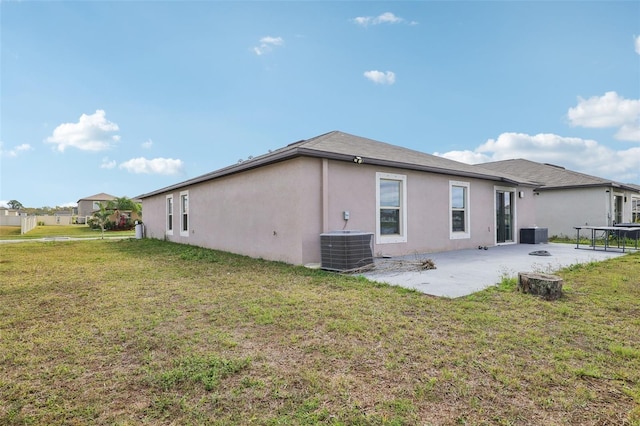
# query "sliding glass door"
(504, 216)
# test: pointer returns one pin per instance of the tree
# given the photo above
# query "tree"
(15, 204)
(126, 210)
(126, 204)
(102, 215)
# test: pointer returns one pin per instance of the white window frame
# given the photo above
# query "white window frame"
(184, 232)
(459, 235)
(170, 224)
(402, 237)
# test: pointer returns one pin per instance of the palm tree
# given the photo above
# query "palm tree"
(102, 215)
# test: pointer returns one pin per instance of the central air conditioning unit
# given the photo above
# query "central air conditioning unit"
(346, 250)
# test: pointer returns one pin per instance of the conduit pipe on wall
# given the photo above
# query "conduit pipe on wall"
(325, 195)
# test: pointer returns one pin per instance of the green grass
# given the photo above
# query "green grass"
(53, 231)
(127, 332)
(613, 241)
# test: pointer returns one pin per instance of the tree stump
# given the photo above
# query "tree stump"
(549, 287)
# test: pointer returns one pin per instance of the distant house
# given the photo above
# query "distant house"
(565, 198)
(10, 217)
(89, 205)
(277, 205)
(6, 211)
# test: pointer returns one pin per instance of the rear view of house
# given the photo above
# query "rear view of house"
(277, 205)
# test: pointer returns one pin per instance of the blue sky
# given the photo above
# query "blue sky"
(128, 97)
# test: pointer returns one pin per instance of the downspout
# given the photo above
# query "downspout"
(610, 207)
(325, 195)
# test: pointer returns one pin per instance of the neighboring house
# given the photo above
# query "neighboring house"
(275, 206)
(6, 211)
(635, 204)
(565, 198)
(89, 205)
(10, 217)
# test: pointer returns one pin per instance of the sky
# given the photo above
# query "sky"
(126, 97)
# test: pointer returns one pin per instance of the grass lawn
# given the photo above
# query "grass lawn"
(73, 231)
(132, 332)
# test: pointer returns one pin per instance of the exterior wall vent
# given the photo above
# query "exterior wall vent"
(346, 250)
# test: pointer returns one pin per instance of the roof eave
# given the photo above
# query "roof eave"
(306, 152)
(588, 185)
(227, 171)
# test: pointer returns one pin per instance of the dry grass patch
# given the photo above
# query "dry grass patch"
(149, 332)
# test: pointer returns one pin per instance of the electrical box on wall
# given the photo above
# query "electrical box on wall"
(345, 214)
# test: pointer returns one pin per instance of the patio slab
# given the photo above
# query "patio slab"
(463, 272)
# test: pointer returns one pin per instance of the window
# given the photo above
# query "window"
(391, 214)
(635, 209)
(459, 208)
(617, 208)
(170, 214)
(184, 214)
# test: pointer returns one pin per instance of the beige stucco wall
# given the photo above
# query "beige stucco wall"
(85, 207)
(278, 212)
(10, 220)
(270, 212)
(353, 188)
(562, 210)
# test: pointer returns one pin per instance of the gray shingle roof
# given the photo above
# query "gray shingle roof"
(98, 197)
(343, 146)
(548, 176)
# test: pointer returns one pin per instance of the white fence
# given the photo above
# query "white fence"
(55, 220)
(10, 220)
(27, 223)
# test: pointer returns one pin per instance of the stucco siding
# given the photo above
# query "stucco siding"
(262, 213)
(561, 210)
(526, 209)
(353, 187)
(278, 211)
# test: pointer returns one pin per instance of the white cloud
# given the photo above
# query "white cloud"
(385, 18)
(107, 164)
(14, 152)
(147, 144)
(91, 133)
(267, 44)
(609, 110)
(636, 41)
(156, 166)
(469, 157)
(380, 77)
(581, 155)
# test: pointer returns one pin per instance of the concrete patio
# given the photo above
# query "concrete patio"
(463, 272)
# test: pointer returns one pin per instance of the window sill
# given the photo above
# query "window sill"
(390, 239)
(459, 235)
